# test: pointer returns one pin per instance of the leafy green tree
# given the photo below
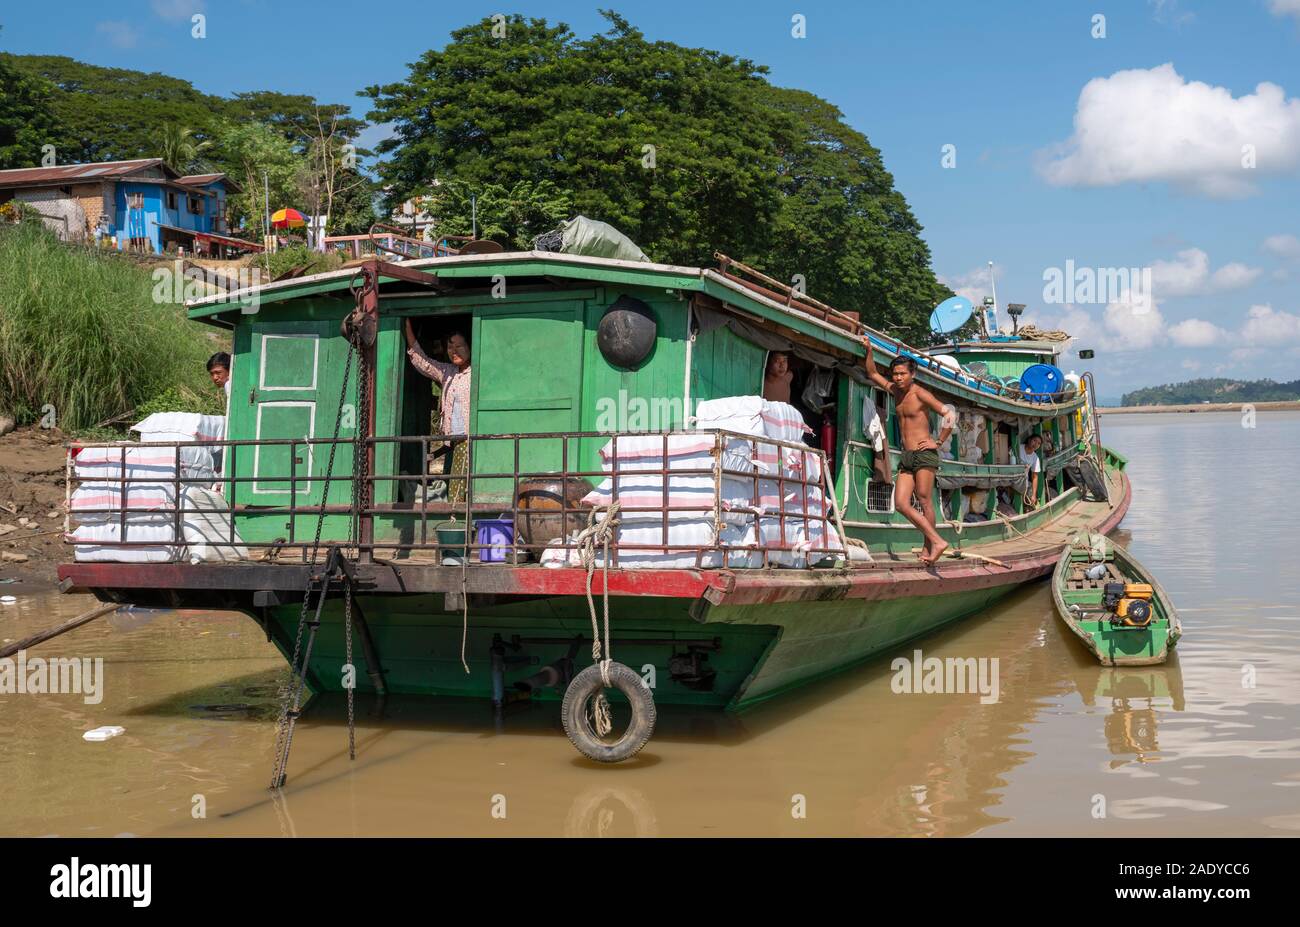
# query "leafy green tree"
(108, 114)
(294, 115)
(686, 150)
(252, 150)
(661, 141)
(354, 204)
(513, 216)
(111, 114)
(27, 119)
(843, 225)
(179, 148)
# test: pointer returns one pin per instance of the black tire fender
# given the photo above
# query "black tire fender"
(577, 722)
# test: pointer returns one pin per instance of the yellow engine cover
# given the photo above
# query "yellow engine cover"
(1138, 591)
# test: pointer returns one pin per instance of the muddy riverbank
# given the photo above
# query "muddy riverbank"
(31, 509)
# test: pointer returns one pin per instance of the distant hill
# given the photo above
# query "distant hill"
(1215, 389)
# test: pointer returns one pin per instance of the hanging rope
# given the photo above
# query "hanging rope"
(599, 532)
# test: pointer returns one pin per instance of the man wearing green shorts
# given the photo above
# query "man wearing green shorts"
(920, 463)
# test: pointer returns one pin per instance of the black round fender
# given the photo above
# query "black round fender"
(576, 716)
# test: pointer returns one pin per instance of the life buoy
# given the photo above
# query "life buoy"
(575, 713)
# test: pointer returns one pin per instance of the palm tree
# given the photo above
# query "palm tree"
(178, 147)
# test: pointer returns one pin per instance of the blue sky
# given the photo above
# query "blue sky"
(1154, 179)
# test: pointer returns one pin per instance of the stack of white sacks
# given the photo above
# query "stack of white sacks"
(142, 480)
(749, 514)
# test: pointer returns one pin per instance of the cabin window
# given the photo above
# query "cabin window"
(171, 199)
(880, 497)
(196, 205)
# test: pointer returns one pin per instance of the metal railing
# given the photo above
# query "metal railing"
(763, 501)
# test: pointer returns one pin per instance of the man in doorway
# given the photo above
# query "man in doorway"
(453, 420)
(777, 377)
(920, 461)
(219, 370)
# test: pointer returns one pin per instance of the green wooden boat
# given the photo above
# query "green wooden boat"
(1096, 613)
(320, 366)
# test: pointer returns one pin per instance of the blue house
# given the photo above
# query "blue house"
(141, 205)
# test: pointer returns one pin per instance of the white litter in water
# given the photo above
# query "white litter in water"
(103, 733)
(8, 599)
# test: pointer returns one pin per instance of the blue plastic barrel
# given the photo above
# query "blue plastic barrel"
(1041, 382)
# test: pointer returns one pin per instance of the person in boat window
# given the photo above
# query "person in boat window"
(920, 461)
(1029, 457)
(219, 370)
(777, 377)
(454, 380)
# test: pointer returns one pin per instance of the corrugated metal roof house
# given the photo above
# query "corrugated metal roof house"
(142, 204)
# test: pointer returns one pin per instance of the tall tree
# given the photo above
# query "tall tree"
(842, 225)
(260, 158)
(662, 141)
(296, 116)
(27, 118)
(109, 114)
(686, 150)
(178, 147)
(113, 114)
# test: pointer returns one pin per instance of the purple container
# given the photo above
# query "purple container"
(497, 537)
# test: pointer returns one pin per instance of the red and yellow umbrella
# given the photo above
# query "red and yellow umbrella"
(288, 219)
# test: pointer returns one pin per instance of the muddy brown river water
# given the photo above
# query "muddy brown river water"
(1208, 744)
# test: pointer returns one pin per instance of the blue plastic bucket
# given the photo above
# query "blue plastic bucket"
(496, 537)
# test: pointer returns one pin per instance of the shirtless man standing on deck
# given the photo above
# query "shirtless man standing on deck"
(920, 461)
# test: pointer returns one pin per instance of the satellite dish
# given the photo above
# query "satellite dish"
(950, 315)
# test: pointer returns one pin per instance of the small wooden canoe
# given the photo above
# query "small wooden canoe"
(1080, 601)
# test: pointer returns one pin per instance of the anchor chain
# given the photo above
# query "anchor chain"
(360, 502)
(298, 677)
(289, 709)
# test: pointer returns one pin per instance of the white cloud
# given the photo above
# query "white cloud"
(1234, 276)
(1142, 126)
(1137, 325)
(175, 11)
(1189, 274)
(1195, 333)
(1285, 7)
(974, 284)
(1125, 325)
(1167, 12)
(119, 34)
(1285, 246)
(1270, 327)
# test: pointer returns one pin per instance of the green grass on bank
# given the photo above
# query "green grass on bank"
(80, 332)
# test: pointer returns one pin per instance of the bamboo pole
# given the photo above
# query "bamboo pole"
(42, 636)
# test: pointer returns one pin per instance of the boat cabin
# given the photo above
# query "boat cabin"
(567, 351)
